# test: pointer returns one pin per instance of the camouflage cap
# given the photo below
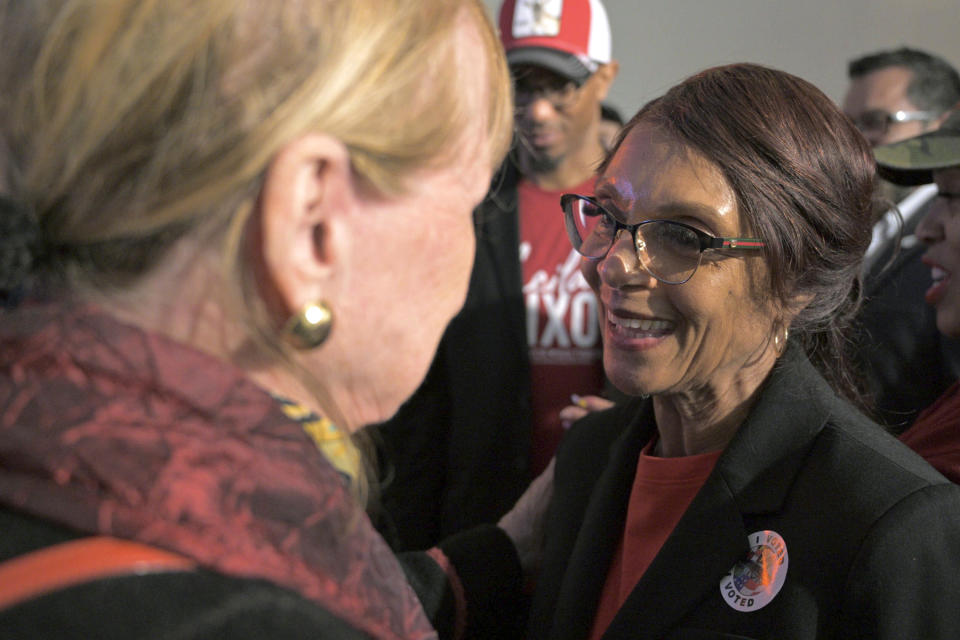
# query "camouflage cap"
(913, 161)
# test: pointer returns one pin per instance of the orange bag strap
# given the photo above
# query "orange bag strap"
(70, 563)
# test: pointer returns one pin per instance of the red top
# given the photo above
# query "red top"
(662, 490)
(562, 329)
(935, 434)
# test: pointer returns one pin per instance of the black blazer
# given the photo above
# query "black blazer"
(906, 361)
(872, 532)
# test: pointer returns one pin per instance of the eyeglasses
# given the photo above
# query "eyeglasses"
(560, 93)
(669, 251)
(879, 121)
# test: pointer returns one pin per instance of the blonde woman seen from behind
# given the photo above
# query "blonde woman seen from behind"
(240, 228)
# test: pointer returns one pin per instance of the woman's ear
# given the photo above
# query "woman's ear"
(798, 302)
(307, 189)
(793, 307)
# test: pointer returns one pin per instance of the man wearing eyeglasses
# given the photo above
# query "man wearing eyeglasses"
(487, 417)
(895, 95)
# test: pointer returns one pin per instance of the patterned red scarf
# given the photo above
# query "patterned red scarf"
(107, 429)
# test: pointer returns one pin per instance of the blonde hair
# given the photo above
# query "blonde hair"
(134, 122)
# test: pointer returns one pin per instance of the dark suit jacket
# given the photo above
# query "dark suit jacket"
(907, 362)
(872, 532)
(457, 454)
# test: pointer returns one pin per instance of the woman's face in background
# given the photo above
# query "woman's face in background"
(668, 338)
(940, 231)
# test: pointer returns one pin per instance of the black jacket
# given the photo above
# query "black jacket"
(872, 532)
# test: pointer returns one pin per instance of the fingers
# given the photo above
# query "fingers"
(582, 405)
(593, 403)
(570, 414)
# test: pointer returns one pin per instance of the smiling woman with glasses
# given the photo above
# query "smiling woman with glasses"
(742, 493)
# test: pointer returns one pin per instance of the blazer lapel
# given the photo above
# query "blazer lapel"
(707, 541)
(602, 526)
(752, 477)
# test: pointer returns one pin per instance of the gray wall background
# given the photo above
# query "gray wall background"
(658, 43)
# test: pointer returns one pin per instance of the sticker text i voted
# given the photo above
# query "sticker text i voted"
(753, 582)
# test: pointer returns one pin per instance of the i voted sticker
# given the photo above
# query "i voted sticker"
(754, 582)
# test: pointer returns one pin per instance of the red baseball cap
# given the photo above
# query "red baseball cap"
(568, 37)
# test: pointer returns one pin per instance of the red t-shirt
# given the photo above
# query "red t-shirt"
(562, 329)
(662, 490)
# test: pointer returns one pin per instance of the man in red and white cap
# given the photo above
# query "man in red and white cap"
(559, 53)
(486, 420)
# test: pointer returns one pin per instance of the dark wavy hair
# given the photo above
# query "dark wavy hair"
(803, 179)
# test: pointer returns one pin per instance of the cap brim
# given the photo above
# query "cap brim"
(913, 161)
(560, 62)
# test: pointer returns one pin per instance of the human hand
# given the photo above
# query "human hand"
(524, 523)
(582, 406)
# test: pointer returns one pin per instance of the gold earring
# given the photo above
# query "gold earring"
(780, 344)
(309, 328)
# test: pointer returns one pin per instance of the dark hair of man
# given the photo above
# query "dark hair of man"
(803, 179)
(611, 113)
(935, 85)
